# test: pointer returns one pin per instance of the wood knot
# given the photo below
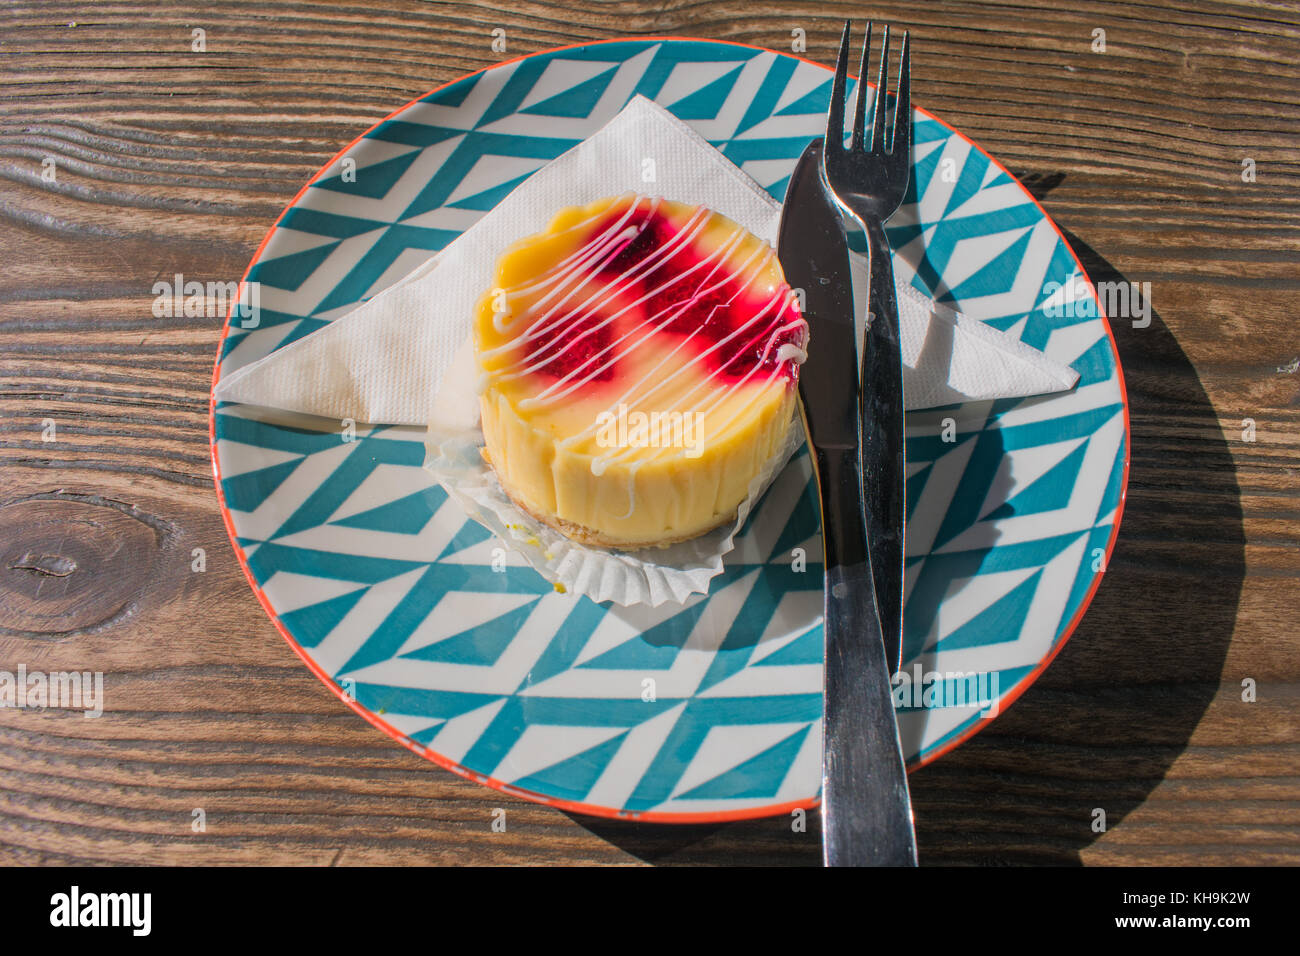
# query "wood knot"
(55, 565)
(73, 563)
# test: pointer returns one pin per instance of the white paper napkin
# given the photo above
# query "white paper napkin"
(382, 363)
(404, 357)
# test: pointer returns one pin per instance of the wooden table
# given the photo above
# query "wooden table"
(167, 160)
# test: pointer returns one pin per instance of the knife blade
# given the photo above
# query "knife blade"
(814, 254)
(884, 471)
(866, 807)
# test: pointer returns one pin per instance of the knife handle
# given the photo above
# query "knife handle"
(866, 809)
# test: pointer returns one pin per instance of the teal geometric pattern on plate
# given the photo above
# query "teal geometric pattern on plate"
(709, 710)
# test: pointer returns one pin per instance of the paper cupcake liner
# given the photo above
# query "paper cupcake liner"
(651, 576)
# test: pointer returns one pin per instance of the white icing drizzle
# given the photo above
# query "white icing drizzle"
(789, 351)
(566, 338)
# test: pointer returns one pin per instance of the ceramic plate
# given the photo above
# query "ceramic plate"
(711, 710)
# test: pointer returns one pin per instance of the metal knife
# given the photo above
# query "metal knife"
(866, 808)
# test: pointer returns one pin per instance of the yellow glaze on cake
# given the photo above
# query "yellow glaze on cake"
(639, 361)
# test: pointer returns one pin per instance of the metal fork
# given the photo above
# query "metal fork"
(870, 180)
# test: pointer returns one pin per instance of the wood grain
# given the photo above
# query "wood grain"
(172, 161)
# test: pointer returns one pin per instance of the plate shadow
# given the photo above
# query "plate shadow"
(1102, 726)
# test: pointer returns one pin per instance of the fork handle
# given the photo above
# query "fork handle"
(866, 809)
(881, 422)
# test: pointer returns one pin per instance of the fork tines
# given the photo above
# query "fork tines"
(902, 101)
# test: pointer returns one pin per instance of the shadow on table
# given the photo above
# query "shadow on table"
(1103, 725)
(1117, 707)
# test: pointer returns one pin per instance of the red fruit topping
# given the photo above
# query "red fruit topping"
(711, 310)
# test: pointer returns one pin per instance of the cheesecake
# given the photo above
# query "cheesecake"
(638, 363)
